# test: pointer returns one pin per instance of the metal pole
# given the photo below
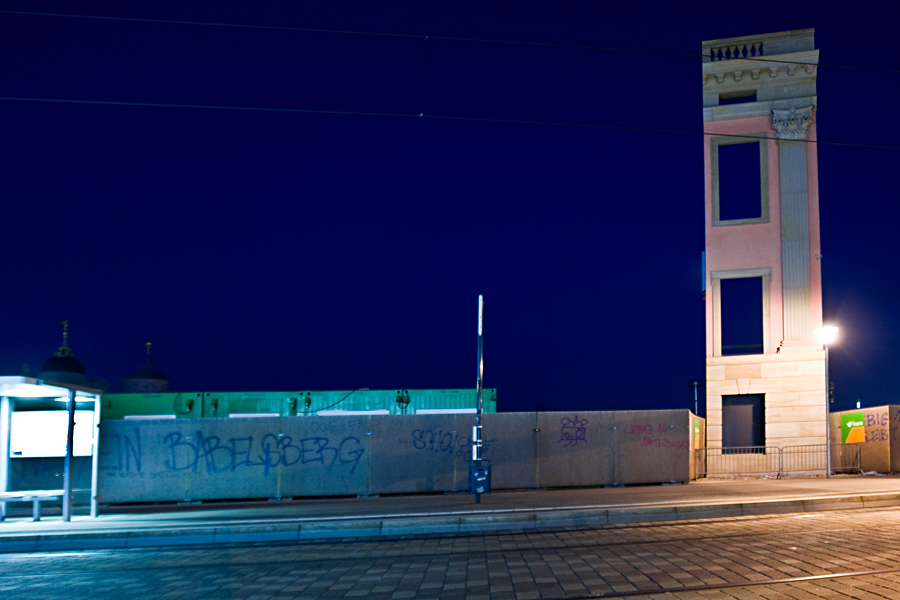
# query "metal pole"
(695, 383)
(827, 421)
(5, 417)
(476, 437)
(67, 472)
(95, 457)
(479, 383)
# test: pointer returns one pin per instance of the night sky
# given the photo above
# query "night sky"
(272, 250)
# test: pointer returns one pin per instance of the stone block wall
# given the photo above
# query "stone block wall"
(794, 388)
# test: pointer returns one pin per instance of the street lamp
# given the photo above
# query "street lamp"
(826, 336)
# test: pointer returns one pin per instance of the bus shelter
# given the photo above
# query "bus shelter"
(45, 420)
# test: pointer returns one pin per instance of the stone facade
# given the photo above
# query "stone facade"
(762, 89)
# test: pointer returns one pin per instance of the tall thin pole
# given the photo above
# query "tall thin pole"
(95, 457)
(67, 470)
(827, 421)
(696, 405)
(695, 383)
(476, 447)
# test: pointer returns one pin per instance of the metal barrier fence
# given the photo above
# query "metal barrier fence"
(846, 458)
(770, 460)
(749, 460)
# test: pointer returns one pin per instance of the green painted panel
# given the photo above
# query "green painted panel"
(182, 405)
(292, 403)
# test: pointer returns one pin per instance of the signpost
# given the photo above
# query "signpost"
(479, 470)
(695, 383)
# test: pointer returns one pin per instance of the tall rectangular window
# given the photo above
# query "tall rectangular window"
(743, 420)
(742, 316)
(739, 196)
(739, 180)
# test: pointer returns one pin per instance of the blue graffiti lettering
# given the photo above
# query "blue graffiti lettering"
(188, 453)
(127, 451)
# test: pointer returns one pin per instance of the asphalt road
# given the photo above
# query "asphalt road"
(838, 554)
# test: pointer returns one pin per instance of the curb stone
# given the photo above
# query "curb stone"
(168, 535)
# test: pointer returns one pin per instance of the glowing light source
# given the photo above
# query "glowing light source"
(826, 335)
(40, 433)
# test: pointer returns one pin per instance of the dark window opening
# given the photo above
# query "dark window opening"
(739, 182)
(743, 421)
(737, 98)
(742, 316)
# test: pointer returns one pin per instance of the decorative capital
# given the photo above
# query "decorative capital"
(792, 124)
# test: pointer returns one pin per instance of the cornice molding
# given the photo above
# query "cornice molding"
(774, 67)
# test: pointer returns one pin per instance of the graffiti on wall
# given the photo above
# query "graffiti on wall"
(877, 427)
(572, 431)
(439, 441)
(215, 455)
(651, 437)
(121, 453)
(211, 454)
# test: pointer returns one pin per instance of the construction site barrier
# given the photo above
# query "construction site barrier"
(776, 461)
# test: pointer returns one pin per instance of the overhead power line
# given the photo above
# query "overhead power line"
(431, 37)
(431, 117)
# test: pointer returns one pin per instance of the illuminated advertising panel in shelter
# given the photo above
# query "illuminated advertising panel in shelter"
(42, 433)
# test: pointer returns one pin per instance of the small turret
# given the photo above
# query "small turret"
(146, 379)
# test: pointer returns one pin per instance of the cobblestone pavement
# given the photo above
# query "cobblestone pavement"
(709, 559)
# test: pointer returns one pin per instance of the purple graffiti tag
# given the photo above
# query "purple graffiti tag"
(572, 431)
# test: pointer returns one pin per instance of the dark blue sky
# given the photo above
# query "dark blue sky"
(278, 250)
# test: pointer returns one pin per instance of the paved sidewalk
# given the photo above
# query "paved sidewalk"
(217, 523)
(852, 554)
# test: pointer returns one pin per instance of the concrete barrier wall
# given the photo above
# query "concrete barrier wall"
(653, 446)
(894, 432)
(322, 456)
(267, 457)
(575, 449)
(419, 453)
(207, 459)
(511, 445)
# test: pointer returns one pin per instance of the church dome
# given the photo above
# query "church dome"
(63, 366)
(146, 378)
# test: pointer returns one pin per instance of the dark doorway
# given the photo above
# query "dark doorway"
(742, 316)
(743, 420)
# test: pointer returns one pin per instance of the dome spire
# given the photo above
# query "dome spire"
(148, 364)
(64, 350)
(147, 379)
(63, 366)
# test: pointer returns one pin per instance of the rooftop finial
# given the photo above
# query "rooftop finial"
(147, 363)
(64, 350)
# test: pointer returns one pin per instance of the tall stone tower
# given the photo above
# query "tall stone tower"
(765, 371)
